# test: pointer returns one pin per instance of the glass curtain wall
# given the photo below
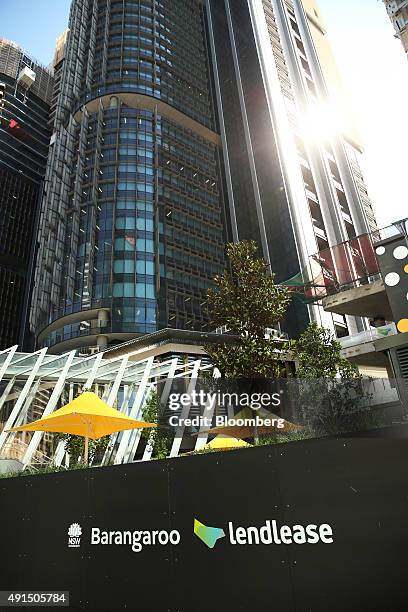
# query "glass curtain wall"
(144, 221)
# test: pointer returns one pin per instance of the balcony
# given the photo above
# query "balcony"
(371, 348)
(395, 6)
(346, 276)
(74, 313)
(368, 299)
(312, 196)
(371, 335)
(402, 4)
(351, 265)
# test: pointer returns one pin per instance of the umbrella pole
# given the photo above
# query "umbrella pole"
(86, 450)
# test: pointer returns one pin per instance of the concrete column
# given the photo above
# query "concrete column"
(103, 318)
(102, 342)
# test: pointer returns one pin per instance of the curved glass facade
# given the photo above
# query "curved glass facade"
(156, 48)
(140, 197)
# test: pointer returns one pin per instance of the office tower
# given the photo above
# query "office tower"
(133, 223)
(341, 104)
(159, 105)
(398, 13)
(292, 170)
(25, 96)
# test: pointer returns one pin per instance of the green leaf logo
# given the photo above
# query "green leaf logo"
(208, 535)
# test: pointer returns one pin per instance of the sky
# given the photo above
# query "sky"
(34, 25)
(374, 69)
(372, 63)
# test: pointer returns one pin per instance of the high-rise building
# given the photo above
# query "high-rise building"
(176, 126)
(25, 96)
(398, 13)
(292, 165)
(339, 100)
(133, 224)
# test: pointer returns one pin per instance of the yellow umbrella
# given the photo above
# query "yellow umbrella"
(225, 443)
(247, 431)
(87, 416)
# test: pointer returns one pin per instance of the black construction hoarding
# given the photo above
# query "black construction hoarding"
(357, 488)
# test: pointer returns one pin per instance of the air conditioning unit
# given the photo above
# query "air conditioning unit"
(26, 78)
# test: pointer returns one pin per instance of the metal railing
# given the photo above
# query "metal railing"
(371, 335)
(348, 264)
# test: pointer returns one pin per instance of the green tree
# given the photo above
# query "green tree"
(329, 389)
(75, 447)
(158, 439)
(318, 355)
(247, 302)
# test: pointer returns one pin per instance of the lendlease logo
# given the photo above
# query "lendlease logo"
(208, 535)
(269, 533)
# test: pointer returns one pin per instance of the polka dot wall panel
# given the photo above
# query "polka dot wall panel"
(392, 255)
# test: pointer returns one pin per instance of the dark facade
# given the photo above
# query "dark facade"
(133, 227)
(24, 140)
(261, 209)
(292, 188)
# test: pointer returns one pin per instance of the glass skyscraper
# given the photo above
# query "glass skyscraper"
(179, 125)
(293, 174)
(133, 225)
(25, 97)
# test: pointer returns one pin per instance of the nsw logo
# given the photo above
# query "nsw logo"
(74, 536)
